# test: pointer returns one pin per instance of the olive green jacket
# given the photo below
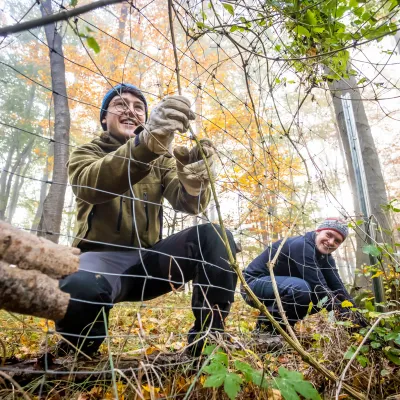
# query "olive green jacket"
(101, 174)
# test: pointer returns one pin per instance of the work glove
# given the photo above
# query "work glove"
(192, 171)
(172, 114)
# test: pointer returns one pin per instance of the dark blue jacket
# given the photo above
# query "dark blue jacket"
(300, 258)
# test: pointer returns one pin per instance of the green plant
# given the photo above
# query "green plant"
(232, 374)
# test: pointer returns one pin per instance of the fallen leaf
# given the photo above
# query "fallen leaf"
(274, 394)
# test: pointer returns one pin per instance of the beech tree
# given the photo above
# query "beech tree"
(50, 221)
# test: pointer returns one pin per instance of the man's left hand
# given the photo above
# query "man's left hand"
(192, 171)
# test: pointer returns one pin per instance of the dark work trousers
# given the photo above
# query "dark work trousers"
(106, 278)
(295, 294)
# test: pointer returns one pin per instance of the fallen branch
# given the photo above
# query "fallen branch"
(99, 368)
(31, 292)
(15, 384)
(31, 252)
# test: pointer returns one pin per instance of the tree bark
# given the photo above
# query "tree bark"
(31, 292)
(53, 205)
(31, 252)
(42, 197)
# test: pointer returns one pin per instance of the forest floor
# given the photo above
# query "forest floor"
(145, 357)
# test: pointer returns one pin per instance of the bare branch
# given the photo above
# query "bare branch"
(62, 16)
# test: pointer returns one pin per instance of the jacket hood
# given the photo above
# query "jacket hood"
(310, 238)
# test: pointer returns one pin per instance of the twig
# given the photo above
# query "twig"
(353, 357)
(187, 395)
(62, 16)
(138, 393)
(271, 266)
(17, 385)
(3, 359)
(178, 75)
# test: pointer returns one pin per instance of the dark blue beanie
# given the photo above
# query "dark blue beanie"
(116, 90)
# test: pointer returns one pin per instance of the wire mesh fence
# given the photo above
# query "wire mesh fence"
(267, 85)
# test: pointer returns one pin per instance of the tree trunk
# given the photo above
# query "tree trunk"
(19, 183)
(3, 180)
(20, 160)
(375, 182)
(7, 177)
(50, 221)
(42, 197)
(122, 21)
(265, 232)
(20, 167)
(374, 177)
(14, 195)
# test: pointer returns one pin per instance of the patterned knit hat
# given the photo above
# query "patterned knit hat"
(334, 224)
(117, 90)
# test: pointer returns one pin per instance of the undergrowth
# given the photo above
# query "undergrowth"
(232, 368)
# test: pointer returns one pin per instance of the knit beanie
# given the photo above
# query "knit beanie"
(117, 90)
(334, 224)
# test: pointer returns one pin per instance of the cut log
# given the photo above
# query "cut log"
(31, 252)
(31, 292)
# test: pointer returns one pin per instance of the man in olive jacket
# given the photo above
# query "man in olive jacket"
(120, 181)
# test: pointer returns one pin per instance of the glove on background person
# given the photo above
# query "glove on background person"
(172, 114)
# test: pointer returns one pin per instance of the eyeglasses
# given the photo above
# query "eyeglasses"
(123, 107)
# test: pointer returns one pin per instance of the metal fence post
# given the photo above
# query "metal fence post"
(362, 190)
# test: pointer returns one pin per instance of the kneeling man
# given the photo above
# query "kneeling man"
(305, 272)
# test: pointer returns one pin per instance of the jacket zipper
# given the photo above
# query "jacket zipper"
(133, 224)
(119, 221)
(146, 210)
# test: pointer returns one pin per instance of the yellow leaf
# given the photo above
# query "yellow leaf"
(149, 388)
(151, 350)
(379, 273)
(347, 303)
